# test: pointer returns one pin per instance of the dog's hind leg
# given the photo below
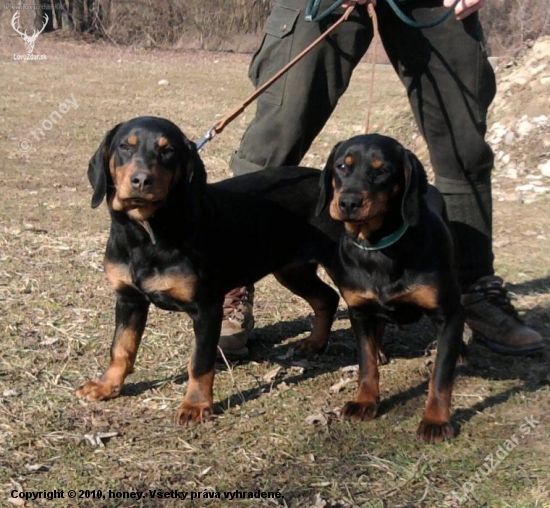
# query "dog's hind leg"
(302, 280)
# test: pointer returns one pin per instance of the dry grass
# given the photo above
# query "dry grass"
(57, 320)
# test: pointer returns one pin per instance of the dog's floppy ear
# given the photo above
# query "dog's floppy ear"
(98, 168)
(416, 185)
(194, 171)
(193, 182)
(325, 182)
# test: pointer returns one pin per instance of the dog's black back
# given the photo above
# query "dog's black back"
(182, 244)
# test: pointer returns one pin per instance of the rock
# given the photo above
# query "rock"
(509, 137)
(541, 48)
(521, 81)
(542, 120)
(525, 128)
(545, 168)
(525, 188)
(537, 70)
(493, 60)
(505, 158)
(510, 173)
(163, 82)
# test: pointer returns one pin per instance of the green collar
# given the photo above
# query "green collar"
(386, 241)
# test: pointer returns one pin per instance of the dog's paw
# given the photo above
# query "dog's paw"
(194, 413)
(98, 389)
(432, 432)
(310, 346)
(359, 411)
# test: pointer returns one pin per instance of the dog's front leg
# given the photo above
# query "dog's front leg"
(198, 403)
(368, 334)
(436, 425)
(130, 319)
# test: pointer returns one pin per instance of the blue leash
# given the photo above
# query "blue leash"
(415, 24)
(312, 13)
(312, 10)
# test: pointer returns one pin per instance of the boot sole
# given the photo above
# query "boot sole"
(240, 354)
(509, 350)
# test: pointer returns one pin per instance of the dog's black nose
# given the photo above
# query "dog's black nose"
(350, 203)
(141, 181)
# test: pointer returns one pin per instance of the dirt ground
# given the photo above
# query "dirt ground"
(56, 323)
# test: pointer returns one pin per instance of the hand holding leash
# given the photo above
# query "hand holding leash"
(464, 7)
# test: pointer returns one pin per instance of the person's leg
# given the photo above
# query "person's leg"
(291, 113)
(451, 84)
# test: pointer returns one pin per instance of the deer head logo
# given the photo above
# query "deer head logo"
(29, 39)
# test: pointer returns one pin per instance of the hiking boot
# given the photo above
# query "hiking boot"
(238, 322)
(494, 320)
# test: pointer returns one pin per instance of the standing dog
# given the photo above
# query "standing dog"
(394, 264)
(182, 245)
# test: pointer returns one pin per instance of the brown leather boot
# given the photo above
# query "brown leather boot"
(238, 322)
(494, 320)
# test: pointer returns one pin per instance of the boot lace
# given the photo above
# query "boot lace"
(496, 294)
(234, 303)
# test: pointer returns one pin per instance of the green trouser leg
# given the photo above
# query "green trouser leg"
(295, 109)
(470, 217)
(449, 82)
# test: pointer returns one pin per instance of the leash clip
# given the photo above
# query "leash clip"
(206, 138)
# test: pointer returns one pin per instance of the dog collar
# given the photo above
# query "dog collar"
(386, 241)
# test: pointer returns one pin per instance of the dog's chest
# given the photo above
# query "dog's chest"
(167, 287)
(402, 304)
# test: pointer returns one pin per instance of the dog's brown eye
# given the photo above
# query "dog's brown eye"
(167, 151)
(343, 168)
(125, 147)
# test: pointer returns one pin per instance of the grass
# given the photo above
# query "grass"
(56, 322)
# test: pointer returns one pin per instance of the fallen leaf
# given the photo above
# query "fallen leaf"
(272, 374)
(97, 438)
(339, 386)
(206, 471)
(283, 387)
(49, 341)
(350, 368)
(35, 468)
(11, 393)
(321, 418)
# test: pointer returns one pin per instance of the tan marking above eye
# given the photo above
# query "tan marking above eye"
(178, 286)
(377, 163)
(162, 142)
(132, 140)
(349, 160)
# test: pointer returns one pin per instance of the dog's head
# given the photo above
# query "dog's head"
(370, 176)
(141, 164)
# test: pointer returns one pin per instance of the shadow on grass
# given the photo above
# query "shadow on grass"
(405, 342)
(528, 287)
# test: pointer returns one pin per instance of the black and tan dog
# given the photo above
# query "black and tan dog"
(181, 244)
(394, 264)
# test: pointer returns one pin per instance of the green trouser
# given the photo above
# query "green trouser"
(449, 82)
